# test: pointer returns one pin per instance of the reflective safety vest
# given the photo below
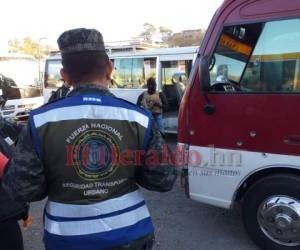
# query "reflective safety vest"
(149, 100)
(94, 202)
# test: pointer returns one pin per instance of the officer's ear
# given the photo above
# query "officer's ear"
(65, 76)
(109, 69)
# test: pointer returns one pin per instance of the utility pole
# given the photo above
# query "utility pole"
(39, 57)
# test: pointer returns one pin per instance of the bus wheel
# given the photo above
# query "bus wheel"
(271, 212)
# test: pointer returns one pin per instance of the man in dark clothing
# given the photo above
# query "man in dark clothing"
(60, 92)
(83, 153)
(154, 101)
(10, 211)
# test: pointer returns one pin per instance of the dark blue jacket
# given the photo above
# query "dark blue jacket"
(9, 209)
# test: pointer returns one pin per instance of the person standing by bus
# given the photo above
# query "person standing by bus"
(154, 101)
(75, 152)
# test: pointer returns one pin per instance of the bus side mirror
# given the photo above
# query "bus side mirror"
(204, 74)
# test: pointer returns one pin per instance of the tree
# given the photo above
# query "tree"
(148, 33)
(29, 47)
(180, 39)
(165, 33)
(186, 38)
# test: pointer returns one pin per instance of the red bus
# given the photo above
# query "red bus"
(240, 114)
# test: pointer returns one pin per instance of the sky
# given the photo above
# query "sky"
(115, 19)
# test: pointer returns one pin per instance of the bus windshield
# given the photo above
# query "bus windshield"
(26, 75)
(52, 74)
(21, 83)
(233, 52)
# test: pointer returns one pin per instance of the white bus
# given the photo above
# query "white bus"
(170, 66)
(19, 85)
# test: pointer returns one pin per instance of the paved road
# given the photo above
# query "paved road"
(181, 224)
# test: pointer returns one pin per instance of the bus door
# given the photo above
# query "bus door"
(174, 77)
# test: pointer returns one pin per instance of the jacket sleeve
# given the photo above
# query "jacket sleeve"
(140, 99)
(158, 171)
(24, 178)
(10, 129)
(53, 97)
(164, 100)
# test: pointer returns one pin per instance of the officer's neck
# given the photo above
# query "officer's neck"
(101, 82)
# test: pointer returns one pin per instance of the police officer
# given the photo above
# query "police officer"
(10, 210)
(87, 153)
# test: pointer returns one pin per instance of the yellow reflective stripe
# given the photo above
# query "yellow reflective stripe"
(276, 57)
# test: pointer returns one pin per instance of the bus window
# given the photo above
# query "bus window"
(174, 76)
(275, 63)
(260, 57)
(150, 68)
(132, 72)
(52, 74)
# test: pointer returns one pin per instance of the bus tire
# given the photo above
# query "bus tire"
(271, 212)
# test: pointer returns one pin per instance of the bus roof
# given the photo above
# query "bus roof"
(15, 56)
(144, 53)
